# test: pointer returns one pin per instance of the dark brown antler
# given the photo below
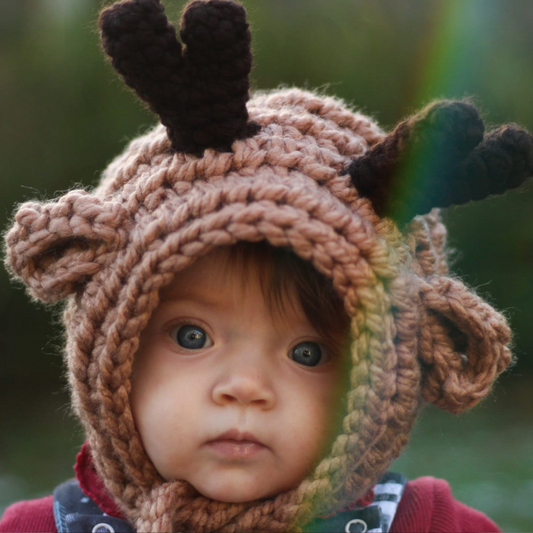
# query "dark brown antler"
(200, 92)
(440, 157)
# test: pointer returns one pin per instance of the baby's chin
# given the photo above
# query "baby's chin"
(228, 491)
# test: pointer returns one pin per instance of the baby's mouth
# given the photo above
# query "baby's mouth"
(236, 445)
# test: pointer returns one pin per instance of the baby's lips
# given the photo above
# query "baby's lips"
(235, 445)
(238, 436)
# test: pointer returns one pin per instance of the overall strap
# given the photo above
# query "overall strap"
(75, 512)
(374, 518)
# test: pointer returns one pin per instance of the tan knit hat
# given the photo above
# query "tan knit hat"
(295, 169)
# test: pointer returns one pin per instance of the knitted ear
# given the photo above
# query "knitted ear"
(463, 344)
(56, 247)
(199, 93)
(441, 157)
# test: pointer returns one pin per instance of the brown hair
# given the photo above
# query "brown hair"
(288, 280)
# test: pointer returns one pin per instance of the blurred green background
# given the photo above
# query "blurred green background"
(64, 115)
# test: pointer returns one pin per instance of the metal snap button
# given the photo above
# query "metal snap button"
(359, 526)
(102, 528)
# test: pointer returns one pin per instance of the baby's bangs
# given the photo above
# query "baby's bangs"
(287, 281)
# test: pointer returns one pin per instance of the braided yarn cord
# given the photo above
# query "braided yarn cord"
(286, 185)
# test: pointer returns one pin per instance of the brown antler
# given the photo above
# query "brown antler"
(440, 157)
(200, 92)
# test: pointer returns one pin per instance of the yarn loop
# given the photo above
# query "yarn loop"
(463, 345)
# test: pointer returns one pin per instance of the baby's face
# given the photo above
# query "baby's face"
(225, 395)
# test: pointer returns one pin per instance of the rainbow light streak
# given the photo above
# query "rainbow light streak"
(443, 68)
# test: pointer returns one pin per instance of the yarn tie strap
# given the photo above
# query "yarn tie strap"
(74, 511)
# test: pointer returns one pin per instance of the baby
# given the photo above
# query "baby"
(258, 300)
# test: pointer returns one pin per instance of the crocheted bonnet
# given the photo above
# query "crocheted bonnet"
(295, 169)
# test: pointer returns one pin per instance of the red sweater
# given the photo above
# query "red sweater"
(427, 505)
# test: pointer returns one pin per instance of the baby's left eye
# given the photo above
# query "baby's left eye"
(307, 353)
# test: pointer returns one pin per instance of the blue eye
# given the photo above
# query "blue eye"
(191, 337)
(307, 353)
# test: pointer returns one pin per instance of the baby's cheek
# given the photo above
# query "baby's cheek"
(308, 433)
(328, 417)
(163, 438)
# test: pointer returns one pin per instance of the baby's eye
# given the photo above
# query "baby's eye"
(307, 353)
(191, 337)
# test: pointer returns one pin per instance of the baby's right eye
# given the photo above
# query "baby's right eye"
(191, 337)
(308, 353)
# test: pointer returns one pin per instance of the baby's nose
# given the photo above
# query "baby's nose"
(245, 388)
